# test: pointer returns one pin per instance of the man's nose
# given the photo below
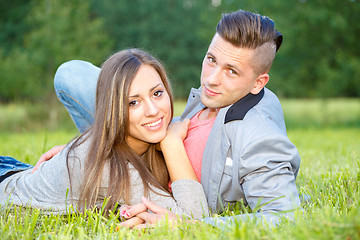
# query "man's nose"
(214, 77)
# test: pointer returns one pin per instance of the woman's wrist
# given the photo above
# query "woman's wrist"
(177, 161)
(170, 142)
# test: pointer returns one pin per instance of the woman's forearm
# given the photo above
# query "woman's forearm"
(177, 161)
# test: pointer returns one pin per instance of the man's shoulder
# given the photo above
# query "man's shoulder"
(271, 96)
(193, 104)
(269, 106)
(266, 117)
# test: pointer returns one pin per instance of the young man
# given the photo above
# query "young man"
(237, 140)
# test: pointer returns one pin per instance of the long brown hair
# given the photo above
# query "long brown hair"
(108, 149)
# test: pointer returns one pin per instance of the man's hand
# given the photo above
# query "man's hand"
(147, 219)
(48, 155)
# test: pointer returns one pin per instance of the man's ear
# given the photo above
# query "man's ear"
(260, 83)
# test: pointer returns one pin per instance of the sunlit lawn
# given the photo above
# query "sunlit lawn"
(326, 134)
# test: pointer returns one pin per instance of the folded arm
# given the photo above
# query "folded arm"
(267, 170)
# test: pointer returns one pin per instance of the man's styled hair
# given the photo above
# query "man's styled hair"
(250, 30)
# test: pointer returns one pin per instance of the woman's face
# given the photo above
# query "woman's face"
(149, 109)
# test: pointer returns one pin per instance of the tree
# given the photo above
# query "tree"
(323, 57)
(169, 29)
(12, 25)
(60, 31)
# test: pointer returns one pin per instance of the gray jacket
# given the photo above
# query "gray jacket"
(48, 187)
(248, 155)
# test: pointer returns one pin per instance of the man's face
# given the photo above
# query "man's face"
(227, 75)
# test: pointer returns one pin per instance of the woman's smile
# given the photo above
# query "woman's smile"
(149, 109)
(154, 125)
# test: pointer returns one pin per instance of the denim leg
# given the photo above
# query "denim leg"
(9, 164)
(75, 85)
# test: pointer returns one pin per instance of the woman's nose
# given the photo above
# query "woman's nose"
(151, 109)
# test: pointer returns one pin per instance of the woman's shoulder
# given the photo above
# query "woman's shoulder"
(79, 146)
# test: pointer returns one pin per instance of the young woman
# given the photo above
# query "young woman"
(118, 158)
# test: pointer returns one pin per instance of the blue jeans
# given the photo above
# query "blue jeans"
(10, 166)
(75, 85)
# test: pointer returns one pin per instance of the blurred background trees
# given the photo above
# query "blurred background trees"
(319, 57)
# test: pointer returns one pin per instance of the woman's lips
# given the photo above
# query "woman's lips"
(154, 125)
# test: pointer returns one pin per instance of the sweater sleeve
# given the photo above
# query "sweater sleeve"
(189, 199)
(188, 196)
(47, 188)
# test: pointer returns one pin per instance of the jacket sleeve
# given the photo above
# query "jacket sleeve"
(267, 173)
(47, 188)
(267, 169)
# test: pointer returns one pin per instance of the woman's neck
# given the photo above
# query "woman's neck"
(139, 147)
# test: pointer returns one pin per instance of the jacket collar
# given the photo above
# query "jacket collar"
(239, 109)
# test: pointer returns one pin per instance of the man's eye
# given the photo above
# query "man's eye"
(158, 93)
(211, 59)
(133, 103)
(233, 72)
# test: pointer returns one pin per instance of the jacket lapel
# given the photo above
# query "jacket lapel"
(193, 105)
(213, 161)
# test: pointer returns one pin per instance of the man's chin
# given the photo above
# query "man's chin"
(209, 103)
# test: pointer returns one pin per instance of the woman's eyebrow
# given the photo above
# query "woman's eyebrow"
(151, 89)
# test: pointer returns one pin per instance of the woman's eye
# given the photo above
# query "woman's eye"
(133, 103)
(158, 93)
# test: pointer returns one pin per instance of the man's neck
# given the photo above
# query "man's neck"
(208, 113)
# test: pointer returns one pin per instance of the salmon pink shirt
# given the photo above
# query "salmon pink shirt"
(195, 141)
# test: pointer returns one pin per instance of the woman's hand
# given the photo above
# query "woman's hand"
(138, 216)
(175, 132)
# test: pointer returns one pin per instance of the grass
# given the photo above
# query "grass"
(314, 113)
(327, 137)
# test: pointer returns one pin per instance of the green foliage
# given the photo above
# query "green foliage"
(321, 113)
(12, 25)
(60, 32)
(167, 29)
(319, 56)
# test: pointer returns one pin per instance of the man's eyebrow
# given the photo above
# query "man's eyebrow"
(210, 54)
(151, 89)
(234, 67)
